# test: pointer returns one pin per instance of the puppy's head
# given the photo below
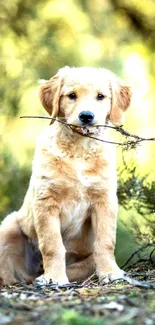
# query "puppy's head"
(86, 96)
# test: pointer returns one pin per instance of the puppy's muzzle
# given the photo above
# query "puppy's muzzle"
(86, 117)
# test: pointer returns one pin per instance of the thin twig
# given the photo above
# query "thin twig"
(135, 253)
(48, 118)
(127, 144)
(137, 283)
(89, 280)
(75, 126)
(151, 256)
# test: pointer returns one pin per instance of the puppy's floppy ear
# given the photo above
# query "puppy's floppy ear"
(49, 93)
(120, 100)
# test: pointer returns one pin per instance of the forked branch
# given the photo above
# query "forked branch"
(128, 144)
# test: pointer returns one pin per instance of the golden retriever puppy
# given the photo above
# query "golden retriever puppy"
(68, 217)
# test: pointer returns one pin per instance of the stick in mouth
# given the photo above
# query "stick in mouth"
(87, 130)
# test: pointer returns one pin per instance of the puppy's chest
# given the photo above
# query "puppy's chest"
(78, 181)
(84, 173)
(83, 185)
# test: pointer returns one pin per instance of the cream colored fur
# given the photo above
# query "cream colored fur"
(69, 212)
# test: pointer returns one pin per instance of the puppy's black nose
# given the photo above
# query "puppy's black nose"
(86, 117)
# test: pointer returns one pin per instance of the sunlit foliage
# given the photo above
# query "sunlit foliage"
(37, 38)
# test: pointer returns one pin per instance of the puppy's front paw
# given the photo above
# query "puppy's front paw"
(45, 279)
(105, 278)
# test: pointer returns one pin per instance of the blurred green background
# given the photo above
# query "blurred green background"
(36, 39)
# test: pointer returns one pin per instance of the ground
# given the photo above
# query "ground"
(124, 302)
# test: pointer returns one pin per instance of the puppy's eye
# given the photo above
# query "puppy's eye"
(72, 96)
(100, 97)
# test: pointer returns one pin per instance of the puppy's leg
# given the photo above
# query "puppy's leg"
(81, 270)
(15, 253)
(48, 228)
(104, 217)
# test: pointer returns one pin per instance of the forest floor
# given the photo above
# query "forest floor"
(123, 302)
